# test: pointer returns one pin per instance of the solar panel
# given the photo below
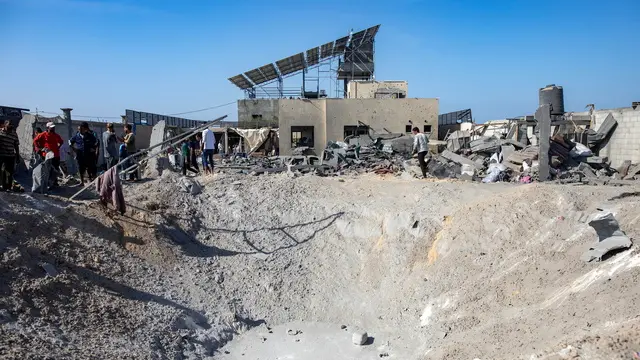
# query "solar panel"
(241, 81)
(341, 44)
(255, 76)
(371, 32)
(291, 64)
(356, 39)
(269, 72)
(312, 56)
(326, 50)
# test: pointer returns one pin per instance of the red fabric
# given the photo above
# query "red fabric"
(51, 141)
(110, 189)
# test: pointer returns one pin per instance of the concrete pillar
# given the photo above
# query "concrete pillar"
(67, 119)
(543, 116)
(226, 141)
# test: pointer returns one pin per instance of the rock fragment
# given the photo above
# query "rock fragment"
(359, 338)
(49, 269)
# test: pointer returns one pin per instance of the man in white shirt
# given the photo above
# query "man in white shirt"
(208, 145)
(420, 146)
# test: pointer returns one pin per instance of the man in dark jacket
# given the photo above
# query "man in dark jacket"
(9, 146)
(86, 146)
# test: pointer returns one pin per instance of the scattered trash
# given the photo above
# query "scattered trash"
(610, 237)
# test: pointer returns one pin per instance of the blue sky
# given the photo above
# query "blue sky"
(103, 56)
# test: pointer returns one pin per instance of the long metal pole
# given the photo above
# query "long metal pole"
(181, 136)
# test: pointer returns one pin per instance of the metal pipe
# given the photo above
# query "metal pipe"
(181, 136)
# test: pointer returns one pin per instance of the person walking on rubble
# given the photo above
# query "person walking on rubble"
(185, 152)
(194, 144)
(208, 147)
(420, 147)
(50, 140)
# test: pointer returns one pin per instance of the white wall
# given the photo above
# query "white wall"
(625, 141)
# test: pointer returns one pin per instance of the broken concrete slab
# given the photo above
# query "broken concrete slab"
(597, 139)
(457, 158)
(610, 237)
(596, 160)
(623, 170)
(602, 248)
(587, 171)
(633, 171)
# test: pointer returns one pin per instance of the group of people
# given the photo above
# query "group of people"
(85, 145)
(203, 143)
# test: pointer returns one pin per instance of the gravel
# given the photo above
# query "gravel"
(184, 275)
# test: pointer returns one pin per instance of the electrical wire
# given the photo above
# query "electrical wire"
(205, 109)
(118, 117)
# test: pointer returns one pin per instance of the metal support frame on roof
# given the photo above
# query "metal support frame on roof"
(356, 50)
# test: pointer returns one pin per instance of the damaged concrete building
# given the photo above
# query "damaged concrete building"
(355, 104)
(313, 122)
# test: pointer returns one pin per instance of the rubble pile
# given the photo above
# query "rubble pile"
(384, 155)
(492, 159)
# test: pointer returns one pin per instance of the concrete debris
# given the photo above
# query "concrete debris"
(610, 237)
(190, 186)
(49, 269)
(359, 338)
(632, 172)
(5, 316)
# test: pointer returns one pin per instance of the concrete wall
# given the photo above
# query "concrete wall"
(329, 116)
(267, 108)
(625, 140)
(302, 112)
(367, 89)
(381, 115)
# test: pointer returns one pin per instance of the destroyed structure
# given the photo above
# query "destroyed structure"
(309, 117)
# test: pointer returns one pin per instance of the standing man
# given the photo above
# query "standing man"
(420, 142)
(208, 147)
(185, 151)
(91, 149)
(85, 145)
(194, 144)
(97, 152)
(109, 146)
(130, 142)
(9, 150)
(52, 141)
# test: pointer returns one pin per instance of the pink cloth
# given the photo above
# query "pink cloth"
(110, 189)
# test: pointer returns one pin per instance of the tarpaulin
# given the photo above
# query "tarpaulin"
(254, 137)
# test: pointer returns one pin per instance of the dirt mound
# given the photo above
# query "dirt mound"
(431, 270)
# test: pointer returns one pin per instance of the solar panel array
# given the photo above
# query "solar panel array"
(326, 50)
(298, 62)
(291, 64)
(312, 56)
(241, 81)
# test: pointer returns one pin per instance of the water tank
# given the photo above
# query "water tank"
(554, 95)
